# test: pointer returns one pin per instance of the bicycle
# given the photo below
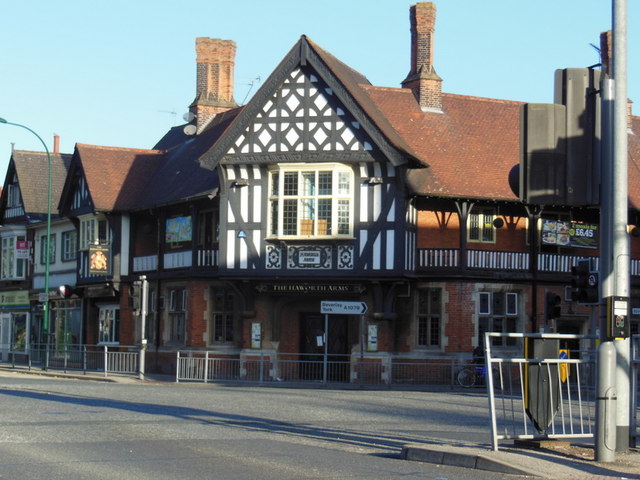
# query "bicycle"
(475, 375)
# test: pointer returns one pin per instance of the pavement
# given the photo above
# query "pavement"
(557, 460)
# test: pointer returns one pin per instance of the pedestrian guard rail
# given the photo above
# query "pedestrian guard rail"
(535, 397)
(107, 359)
(634, 426)
(274, 367)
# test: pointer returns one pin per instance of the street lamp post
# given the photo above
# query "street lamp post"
(47, 252)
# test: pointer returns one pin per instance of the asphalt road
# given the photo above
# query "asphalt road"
(71, 429)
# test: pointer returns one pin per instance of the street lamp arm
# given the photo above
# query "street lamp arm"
(2, 120)
(47, 253)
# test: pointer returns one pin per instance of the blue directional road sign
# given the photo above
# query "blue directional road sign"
(343, 308)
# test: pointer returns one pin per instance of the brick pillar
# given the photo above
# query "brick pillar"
(215, 61)
(423, 79)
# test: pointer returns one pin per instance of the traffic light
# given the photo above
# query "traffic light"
(552, 306)
(584, 283)
(135, 296)
(65, 291)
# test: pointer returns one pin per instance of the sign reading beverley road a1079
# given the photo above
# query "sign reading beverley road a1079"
(344, 308)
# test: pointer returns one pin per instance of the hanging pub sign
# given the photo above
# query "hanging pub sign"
(569, 234)
(99, 260)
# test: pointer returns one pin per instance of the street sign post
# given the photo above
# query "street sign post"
(331, 307)
(343, 308)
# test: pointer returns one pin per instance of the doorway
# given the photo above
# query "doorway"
(312, 347)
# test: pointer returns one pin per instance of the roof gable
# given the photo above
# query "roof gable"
(310, 103)
(109, 178)
(31, 173)
(303, 115)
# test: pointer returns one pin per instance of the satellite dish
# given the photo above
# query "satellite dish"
(190, 129)
(187, 117)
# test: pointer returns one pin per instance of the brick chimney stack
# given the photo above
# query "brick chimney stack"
(423, 79)
(215, 60)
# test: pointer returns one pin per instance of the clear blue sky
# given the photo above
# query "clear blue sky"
(122, 72)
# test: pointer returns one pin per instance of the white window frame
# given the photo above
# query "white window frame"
(110, 313)
(306, 201)
(52, 249)
(510, 314)
(11, 265)
(69, 245)
(90, 227)
(480, 221)
(13, 196)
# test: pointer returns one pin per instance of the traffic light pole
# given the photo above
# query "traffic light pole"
(144, 306)
(614, 252)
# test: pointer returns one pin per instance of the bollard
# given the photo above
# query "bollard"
(606, 403)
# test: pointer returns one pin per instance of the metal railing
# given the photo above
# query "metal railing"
(541, 398)
(118, 359)
(634, 417)
(210, 366)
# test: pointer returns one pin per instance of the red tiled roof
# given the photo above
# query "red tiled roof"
(116, 176)
(469, 148)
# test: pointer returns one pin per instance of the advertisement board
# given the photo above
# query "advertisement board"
(565, 233)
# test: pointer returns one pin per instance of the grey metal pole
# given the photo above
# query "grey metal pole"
(606, 404)
(620, 213)
(325, 357)
(144, 307)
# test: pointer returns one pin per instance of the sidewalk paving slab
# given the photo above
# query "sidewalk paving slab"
(567, 462)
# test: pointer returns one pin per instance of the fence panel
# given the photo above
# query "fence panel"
(120, 359)
(635, 394)
(541, 398)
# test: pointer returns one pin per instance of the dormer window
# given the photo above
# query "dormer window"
(311, 201)
(94, 230)
(480, 225)
(13, 196)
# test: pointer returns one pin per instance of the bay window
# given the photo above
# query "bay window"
(311, 201)
(15, 254)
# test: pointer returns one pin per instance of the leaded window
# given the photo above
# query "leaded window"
(498, 312)
(311, 201)
(429, 317)
(480, 225)
(109, 324)
(15, 254)
(177, 315)
(223, 301)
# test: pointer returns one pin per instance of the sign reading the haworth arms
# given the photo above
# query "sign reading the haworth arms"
(309, 288)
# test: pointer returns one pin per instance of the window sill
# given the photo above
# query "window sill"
(307, 238)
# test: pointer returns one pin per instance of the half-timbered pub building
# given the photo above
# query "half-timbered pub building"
(436, 215)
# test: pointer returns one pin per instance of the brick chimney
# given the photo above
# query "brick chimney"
(56, 143)
(423, 79)
(215, 60)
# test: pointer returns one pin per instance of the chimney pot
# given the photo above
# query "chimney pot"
(56, 143)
